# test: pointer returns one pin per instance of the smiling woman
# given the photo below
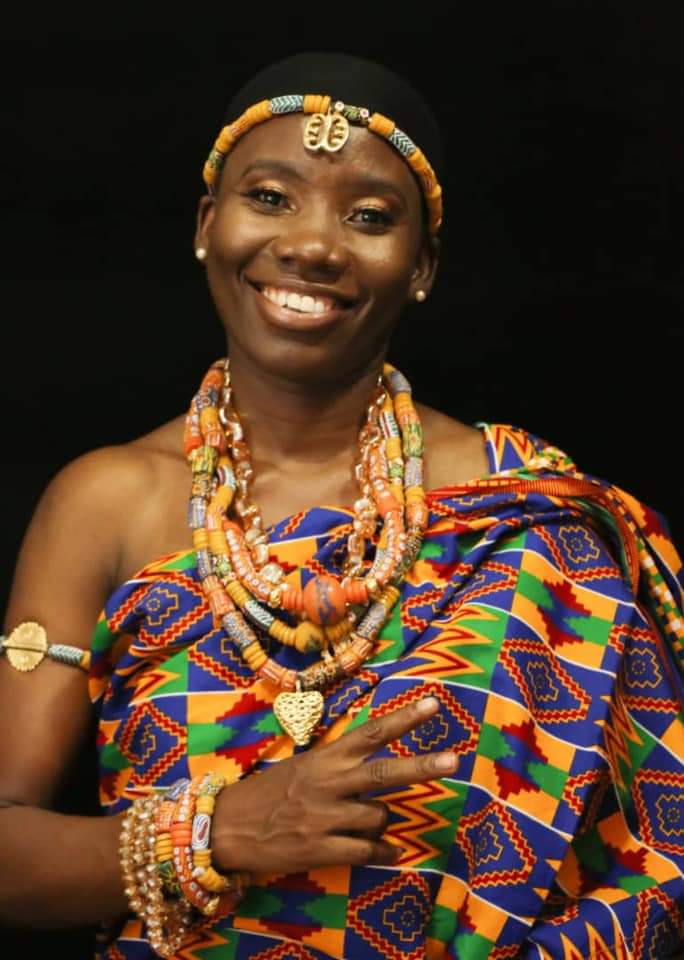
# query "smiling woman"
(369, 682)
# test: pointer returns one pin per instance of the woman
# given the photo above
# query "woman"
(439, 725)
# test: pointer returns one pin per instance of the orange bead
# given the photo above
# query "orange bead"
(356, 591)
(381, 125)
(349, 660)
(324, 600)
(292, 599)
(386, 503)
(270, 670)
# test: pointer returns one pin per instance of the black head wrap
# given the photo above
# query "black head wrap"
(353, 80)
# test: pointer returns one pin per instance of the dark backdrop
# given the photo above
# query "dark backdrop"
(559, 302)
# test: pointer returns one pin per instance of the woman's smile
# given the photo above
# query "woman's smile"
(312, 251)
(302, 309)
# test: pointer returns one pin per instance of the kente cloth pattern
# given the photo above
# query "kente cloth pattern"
(538, 620)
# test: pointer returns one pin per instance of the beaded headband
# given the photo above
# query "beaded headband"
(328, 129)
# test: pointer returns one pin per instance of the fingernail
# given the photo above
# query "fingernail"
(428, 705)
(446, 761)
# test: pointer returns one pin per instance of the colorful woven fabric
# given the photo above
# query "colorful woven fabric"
(544, 613)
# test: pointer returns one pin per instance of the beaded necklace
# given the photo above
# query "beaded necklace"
(244, 587)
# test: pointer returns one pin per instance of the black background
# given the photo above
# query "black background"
(559, 302)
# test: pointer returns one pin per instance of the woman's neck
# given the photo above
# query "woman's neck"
(297, 427)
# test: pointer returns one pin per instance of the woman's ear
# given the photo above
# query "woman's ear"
(205, 217)
(425, 270)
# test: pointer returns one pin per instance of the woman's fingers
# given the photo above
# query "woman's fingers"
(356, 851)
(367, 818)
(370, 736)
(382, 772)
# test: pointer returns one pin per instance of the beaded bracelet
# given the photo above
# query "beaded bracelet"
(190, 830)
(166, 861)
(203, 871)
(167, 923)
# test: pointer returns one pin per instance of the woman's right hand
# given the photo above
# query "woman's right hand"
(308, 811)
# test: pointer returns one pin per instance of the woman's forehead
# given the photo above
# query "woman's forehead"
(278, 145)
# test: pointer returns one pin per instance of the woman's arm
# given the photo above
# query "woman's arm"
(56, 870)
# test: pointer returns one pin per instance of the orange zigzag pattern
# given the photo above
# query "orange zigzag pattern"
(418, 623)
(293, 523)
(218, 669)
(177, 628)
(616, 732)
(411, 804)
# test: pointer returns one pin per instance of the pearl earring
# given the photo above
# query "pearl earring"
(201, 253)
(420, 296)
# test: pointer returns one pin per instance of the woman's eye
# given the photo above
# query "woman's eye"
(373, 216)
(263, 195)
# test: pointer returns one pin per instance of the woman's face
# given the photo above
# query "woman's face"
(343, 231)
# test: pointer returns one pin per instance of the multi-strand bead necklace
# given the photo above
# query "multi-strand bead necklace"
(244, 586)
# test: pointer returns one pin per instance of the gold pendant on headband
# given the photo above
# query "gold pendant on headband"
(299, 713)
(326, 131)
(26, 646)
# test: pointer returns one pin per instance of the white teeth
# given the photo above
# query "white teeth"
(293, 301)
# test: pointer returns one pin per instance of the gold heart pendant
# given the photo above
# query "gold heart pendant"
(299, 713)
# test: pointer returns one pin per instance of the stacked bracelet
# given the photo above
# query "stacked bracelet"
(166, 862)
(167, 922)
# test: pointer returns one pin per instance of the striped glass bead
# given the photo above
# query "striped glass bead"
(389, 425)
(401, 142)
(290, 103)
(373, 620)
(197, 513)
(257, 613)
(201, 825)
(226, 477)
(237, 630)
(204, 567)
(413, 472)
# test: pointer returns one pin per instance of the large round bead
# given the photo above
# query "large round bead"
(324, 601)
(309, 638)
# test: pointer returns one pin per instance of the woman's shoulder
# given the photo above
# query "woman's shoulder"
(111, 473)
(457, 452)
(132, 494)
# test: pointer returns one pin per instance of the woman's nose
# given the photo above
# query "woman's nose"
(313, 246)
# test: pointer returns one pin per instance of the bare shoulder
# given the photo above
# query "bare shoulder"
(102, 510)
(454, 451)
(104, 480)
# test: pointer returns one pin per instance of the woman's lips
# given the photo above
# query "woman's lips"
(286, 318)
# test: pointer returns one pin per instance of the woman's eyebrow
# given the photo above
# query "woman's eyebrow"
(273, 166)
(361, 182)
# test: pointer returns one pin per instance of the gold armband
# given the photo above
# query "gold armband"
(27, 645)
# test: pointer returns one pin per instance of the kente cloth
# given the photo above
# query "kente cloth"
(544, 613)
